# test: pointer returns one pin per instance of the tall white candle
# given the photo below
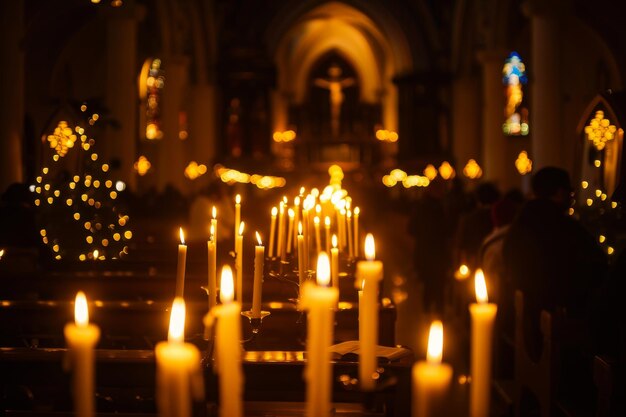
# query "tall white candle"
(182, 260)
(334, 263)
(327, 233)
(281, 229)
(239, 262)
(179, 374)
(349, 233)
(296, 219)
(357, 211)
(301, 257)
(259, 258)
(305, 232)
(212, 281)
(214, 224)
(431, 378)
(318, 237)
(290, 234)
(237, 214)
(342, 230)
(272, 232)
(368, 274)
(81, 338)
(483, 315)
(319, 300)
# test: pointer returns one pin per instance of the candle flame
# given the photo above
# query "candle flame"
(299, 228)
(348, 203)
(323, 269)
(214, 212)
(315, 192)
(95, 254)
(241, 227)
(318, 209)
(480, 287)
(334, 241)
(349, 214)
(1, 253)
(258, 238)
(81, 311)
(357, 211)
(296, 201)
(463, 270)
(177, 321)
(182, 235)
(327, 221)
(370, 247)
(291, 213)
(316, 220)
(237, 199)
(274, 211)
(301, 190)
(285, 199)
(342, 211)
(227, 289)
(435, 342)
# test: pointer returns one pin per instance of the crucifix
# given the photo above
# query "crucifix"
(335, 84)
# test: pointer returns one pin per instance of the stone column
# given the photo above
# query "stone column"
(11, 92)
(202, 127)
(121, 88)
(494, 147)
(171, 160)
(466, 121)
(546, 100)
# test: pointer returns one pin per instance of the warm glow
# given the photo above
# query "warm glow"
(291, 213)
(370, 247)
(334, 241)
(182, 235)
(81, 311)
(481, 287)
(327, 221)
(446, 171)
(227, 287)
(237, 199)
(357, 211)
(241, 227)
(316, 220)
(296, 201)
(523, 164)
(435, 342)
(1, 253)
(430, 172)
(176, 333)
(214, 212)
(258, 238)
(212, 231)
(600, 131)
(300, 228)
(274, 211)
(142, 165)
(472, 170)
(323, 269)
(95, 252)
(302, 189)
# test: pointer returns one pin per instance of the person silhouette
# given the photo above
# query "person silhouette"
(335, 85)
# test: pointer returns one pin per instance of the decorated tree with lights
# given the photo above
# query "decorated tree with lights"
(80, 213)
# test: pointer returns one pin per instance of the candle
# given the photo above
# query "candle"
(360, 307)
(327, 233)
(212, 282)
(357, 211)
(272, 232)
(296, 220)
(349, 233)
(342, 229)
(239, 262)
(214, 224)
(483, 315)
(290, 234)
(318, 238)
(319, 300)
(182, 260)
(305, 230)
(431, 378)
(462, 273)
(301, 258)
(237, 214)
(179, 374)
(334, 263)
(368, 274)
(281, 230)
(81, 337)
(228, 347)
(259, 257)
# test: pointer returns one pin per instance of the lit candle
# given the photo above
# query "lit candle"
(319, 300)
(327, 233)
(281, 229)
(259, 257)
(301, 257)
(290, 234)
(296, 219)
(179, 374)
(228, 347)
(349, 233)
(272, 232)
(342, 229)
(462, 273)
(431, 378)
(239, 262)
(368, 274)
(357, 211)
(318, 237)
(214, 223)
(483, 315)
(237, 214)
(212, 282)
(334, 263)
(81, 337)
(305, 230)
(182, 260)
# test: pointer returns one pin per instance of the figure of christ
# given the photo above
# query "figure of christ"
(334, 84)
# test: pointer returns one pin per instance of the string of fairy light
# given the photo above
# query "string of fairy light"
(81, 200)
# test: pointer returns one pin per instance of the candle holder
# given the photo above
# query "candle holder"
(255, 322)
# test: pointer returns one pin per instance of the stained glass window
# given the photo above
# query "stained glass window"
(151, 83)
(515, 111)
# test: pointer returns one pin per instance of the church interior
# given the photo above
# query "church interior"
(312, 208)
